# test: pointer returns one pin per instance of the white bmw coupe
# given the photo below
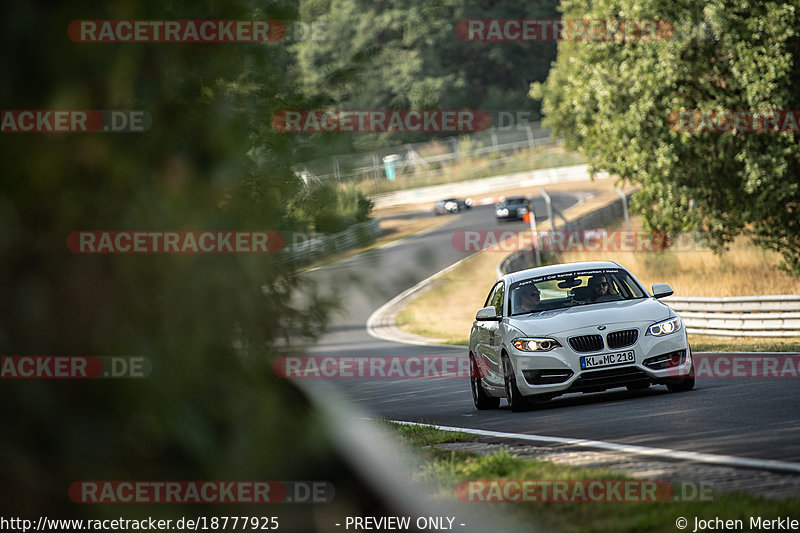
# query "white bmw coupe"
(574, 327)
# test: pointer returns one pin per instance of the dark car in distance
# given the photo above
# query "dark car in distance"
(451, 205)
(512, 208)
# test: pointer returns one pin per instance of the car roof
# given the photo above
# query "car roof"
(557, 269)
(514, 199)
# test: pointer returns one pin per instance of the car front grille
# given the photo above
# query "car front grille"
(586, 343)
(605, 379)
(622, 339)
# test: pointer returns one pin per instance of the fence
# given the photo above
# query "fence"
(740, 316)
(303, 249)
(425, 159)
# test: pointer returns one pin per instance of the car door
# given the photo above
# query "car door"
(490, 338)
(479, 335)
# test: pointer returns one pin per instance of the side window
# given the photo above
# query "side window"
(488, 301)
(495, 298)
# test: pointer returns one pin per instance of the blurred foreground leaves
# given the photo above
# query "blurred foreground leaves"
(210, 324)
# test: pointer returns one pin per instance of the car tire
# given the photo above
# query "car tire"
(516, 401)
(482, 400)
(682, 384)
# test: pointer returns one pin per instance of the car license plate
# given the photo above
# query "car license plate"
(611, 359)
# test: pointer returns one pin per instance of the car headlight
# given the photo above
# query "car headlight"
(659, 329)
(501, 212)
(535, 344)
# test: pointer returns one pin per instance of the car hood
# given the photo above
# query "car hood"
(608, 314)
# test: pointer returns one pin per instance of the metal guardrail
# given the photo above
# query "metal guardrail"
(740, 316)
(307, 248)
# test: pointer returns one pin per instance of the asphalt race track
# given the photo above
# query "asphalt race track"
(748, 418)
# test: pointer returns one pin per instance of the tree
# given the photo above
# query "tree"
(210, 324)
(407, 55)
(616, 101)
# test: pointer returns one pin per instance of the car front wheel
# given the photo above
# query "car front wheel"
(516, 401)
(682, 384)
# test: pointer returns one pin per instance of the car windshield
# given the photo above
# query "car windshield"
(513, 202)
(570, 289)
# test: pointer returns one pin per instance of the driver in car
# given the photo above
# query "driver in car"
(529, 299)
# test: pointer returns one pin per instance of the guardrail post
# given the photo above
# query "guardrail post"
(375, 168)
(536, 254)
(625, 210)
(549, 203)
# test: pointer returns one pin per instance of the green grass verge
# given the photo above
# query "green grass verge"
(427, 435)
(442, 471)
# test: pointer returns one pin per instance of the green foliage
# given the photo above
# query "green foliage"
(210, 324)
(612, 100)
(328, 208)
(407, 55)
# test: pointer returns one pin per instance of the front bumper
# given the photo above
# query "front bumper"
(657, 360)
(512, 215)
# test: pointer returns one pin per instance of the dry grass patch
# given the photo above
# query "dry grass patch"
(743, 270)
(398, 228)
(706, 343)
(391, 230)
(448, 309)
(470, 168)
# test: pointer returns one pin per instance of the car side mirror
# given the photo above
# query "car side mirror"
(487, 313)
(661, 290)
